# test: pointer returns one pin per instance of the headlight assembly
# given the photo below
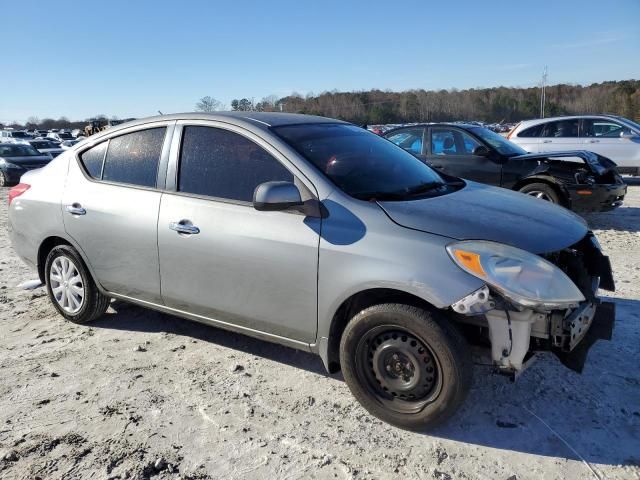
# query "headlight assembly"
(522, 277)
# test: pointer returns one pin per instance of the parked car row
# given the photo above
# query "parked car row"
(317, 234)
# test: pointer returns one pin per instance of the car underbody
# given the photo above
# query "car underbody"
(515, 333)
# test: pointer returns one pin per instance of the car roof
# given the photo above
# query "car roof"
(537, 121)
(263, 120)
(433, 124)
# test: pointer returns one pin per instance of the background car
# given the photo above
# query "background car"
(46, 147)
(67, 144)
(16, 159)
(14, 136)
(611, 136)
(476, 153)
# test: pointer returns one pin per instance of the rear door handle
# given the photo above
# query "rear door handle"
(75, 209)
(593, 141)
(547, 141)
(183, 227)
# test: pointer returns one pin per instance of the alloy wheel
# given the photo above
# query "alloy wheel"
(541, 195)
(66, 284)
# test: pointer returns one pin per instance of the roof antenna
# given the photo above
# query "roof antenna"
(160, 112)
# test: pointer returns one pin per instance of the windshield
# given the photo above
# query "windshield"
(359, 162)
(631, 123)
(19, 135)
(501, 144)
(18, 150)
(65, 136)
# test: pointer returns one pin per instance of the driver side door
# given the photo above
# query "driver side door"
(451, 151)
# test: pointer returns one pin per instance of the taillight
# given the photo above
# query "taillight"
(512, 130)
(17, 191)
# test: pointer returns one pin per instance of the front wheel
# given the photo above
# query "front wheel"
(71, 288)
(405, 365)
(542, 191)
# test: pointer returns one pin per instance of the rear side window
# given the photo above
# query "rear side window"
(133, 158)
(223, 164)
(530, 132)
(446, 141)
(92, 160)
(410, 140)
(561, 129)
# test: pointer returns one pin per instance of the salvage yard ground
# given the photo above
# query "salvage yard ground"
(140, 394)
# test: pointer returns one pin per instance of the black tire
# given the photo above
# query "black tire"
(93, 304)
(543, 191)
(433, 352)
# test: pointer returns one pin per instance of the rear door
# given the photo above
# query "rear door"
(451, 151)
(560, 136)
(240, 266)
(110, 208)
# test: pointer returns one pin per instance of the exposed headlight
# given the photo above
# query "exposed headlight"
(6, 164)
(522, 277)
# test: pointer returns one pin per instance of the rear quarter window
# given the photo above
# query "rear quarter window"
(92, 160)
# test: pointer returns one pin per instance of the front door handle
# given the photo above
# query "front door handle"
(75, 209)
(184, 226)
(594, 141)
(547, 141)
(439, 167)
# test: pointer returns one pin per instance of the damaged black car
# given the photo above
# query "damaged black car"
(579, 180)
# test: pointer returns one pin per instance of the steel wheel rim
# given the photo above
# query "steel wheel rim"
(67, 286)
(399, 370)
(540, 194)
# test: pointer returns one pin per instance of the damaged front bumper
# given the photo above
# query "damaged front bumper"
(516, 333)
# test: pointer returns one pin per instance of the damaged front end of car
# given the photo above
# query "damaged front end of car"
(533, 302)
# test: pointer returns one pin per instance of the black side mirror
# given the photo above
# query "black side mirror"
(481, 151)
(274, 196)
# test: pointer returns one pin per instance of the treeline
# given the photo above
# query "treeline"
(499, 104)
(59, 123)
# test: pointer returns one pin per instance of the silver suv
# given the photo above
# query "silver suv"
(611, 136)
(319, 235)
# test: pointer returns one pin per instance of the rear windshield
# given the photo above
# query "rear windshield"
(43, 144)
(360, 163)
(18, 150)
(19, 135)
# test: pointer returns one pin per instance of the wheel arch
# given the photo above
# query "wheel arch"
(53, 241)
(548, 180)
(329, 346)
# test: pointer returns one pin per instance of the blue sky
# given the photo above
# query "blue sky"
(132, 58)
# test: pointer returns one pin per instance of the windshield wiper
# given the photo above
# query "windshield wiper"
(423, 188)
(372, 196)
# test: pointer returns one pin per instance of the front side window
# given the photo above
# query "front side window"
(410, 140)
(561, 129)
(223, 164)
(133, 158)
(359, 162)
(594, 127)
(450, 141)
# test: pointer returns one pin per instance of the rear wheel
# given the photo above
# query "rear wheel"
(543, 191)
(405, 365)
(71, 288)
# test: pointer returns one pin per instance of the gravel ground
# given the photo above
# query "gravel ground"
(140, 394)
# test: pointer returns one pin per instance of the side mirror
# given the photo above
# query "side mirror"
(480, 151)
(274, 196)
(629, 135)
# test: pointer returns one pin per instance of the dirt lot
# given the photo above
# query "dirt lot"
(144, 395)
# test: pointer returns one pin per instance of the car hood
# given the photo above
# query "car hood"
(594, 162)
(481, 212)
